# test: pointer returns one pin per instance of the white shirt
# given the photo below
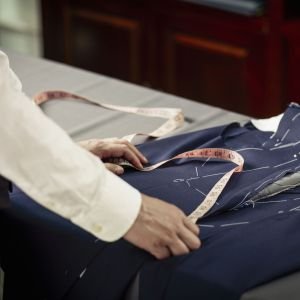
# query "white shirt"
(40, 158)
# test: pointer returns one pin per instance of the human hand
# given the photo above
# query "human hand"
(113, 147)
(163, 229)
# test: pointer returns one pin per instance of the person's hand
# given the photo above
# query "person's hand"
(163, 229)
(110, 148)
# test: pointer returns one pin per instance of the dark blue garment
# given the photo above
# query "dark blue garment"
(190, 179)
(48, 257)
(262, 246)
(244, 243)
(4, 187)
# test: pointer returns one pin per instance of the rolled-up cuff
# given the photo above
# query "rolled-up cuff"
(113, 215)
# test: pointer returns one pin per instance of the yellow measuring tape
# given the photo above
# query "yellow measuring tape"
(174, 116)
(214, 193)
(175, 119)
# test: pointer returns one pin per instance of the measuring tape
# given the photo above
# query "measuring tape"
(174, 116)
(214, 193)
(175, 119)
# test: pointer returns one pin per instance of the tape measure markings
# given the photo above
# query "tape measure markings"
(175, 119)
(174, 116)
(214, 193)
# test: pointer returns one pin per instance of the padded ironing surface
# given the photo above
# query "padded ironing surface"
(83, 121)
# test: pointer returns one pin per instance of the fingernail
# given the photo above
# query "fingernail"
(145, 159)
(120, 171)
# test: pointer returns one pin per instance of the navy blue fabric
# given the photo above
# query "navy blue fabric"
(4, 187)
(244, 243)
(48, 257)
(233, 259)
(182, 180)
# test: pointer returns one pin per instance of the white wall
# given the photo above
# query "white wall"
(20, 26)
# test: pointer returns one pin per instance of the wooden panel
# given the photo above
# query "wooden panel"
(104, 43)
(53, 29)
(291, 57)
(292, 67)
(205, 70)
(206, 54)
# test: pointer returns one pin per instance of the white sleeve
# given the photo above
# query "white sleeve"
(40, 158)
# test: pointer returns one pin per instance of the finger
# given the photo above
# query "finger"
(116, 169)
(109, 140)
(121, 150)
(178, 247)
(132, 157)
(189, 238)
(192, 226)
(161, 252)
(137, 152)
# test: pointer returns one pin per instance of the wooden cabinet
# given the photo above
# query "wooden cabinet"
(242, 63)
(222, 67)
(110, 44)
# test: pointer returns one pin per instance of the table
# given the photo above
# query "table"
(83, 121)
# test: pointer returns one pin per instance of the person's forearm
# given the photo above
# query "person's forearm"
(45, 163)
